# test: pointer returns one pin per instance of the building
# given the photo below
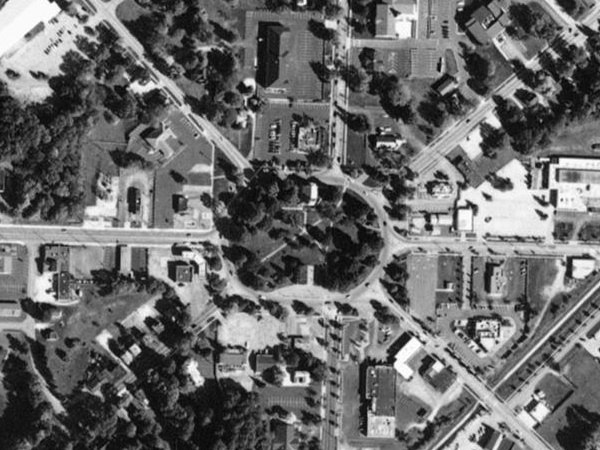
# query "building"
(487, 23)
(389, 141)
(161, 141)
(437, 374)
(269, 52)
(283, 435)
(464, 219)
(573, 183)
(380, 392)
(580, 268)
(19, 17)
(534, 412)
(232, 360)
(495, 278)
(62, 282)
(134, 199)
(10, 309)
(396, 19)
(445, 85)
(264, 361)
(404, 355)
(181, 271)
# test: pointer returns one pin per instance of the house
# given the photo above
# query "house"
(580, 268)
(445, 85)
(134, 199)
(487, 22)
(181, 271)
(388, 141)
(380, 392)
(161, 141)
(437, 374)
(18, 17)
(283, 435)
(404, 355)
(269, 52)
(232, 360)
(57, 257)
(264, 361)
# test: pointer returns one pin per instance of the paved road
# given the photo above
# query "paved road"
(437, 150)
(107, 12)
(435, 345)
(591, 291)
(34, 234)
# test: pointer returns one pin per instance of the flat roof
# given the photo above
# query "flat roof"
(18, 17)
(381, 387)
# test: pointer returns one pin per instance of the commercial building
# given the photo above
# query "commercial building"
(495, 278)
(233, 360)
(437, 374)
(380, 392)
(20, 17)
(487, 22)
(269, 52)
(464, 219)
(580, 268)
(396, 19)
(404, 355)
(573, 183)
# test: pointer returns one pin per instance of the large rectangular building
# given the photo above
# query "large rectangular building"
(19, 17)
(380, 391)
(573, 183)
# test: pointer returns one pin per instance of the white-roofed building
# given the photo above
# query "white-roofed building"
(19, 17)
(403, 357)
(582, 267)
(464, 219)
(574, 183)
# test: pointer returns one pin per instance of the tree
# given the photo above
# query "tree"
(318, 158)
(358, 122)
(274, 375)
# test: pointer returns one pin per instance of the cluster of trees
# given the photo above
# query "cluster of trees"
(575, 8)
(28, 419)
(481, 70)
(329, 8)
(258, 208)
(533, 127)
(183, 42)
(297, 359)
(112, 282)
(529, 21)
(396, 274)
(383, 314)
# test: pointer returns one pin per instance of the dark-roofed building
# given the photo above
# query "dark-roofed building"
(445, 85)
(181, 271)
(139, 260)
(62, 285)
(380, 392)
(507, 444)
(232, 360)
(269, 52)
(283, 435)
(384, 21)
(487, 22)
(264, 361)
(439, 376)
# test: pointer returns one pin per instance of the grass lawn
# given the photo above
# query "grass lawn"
(503, 68)
(580, 369)
(408, 409)
(555, 388)
(540, 273)
(577, 138)
(67, 358)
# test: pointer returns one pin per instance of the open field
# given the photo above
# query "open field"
(561, 429)
(555, 389)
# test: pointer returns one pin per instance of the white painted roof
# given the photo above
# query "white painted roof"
(18, 17)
